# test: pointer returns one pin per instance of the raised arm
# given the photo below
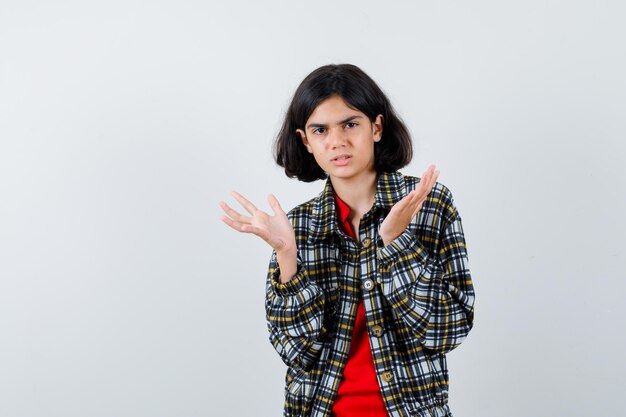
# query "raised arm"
(432, 293)
(294, 305)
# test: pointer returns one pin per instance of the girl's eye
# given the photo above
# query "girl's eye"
(350, 124)
(317, 130)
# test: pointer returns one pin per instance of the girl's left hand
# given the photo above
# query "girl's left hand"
(404, 210)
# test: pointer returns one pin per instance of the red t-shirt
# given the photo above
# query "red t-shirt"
(359, 392)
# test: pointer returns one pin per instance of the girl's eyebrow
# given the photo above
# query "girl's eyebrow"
(346, 120)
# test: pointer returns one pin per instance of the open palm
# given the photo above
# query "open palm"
(404, 210)
(276, 230)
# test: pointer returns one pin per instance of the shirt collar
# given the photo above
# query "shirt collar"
(390, 188)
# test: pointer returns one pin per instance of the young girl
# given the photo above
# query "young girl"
(368, 284)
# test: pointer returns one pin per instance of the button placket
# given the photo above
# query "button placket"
(387, 376)
(369, 284)
(377, 330)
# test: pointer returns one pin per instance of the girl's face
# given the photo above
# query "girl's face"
(341, 139)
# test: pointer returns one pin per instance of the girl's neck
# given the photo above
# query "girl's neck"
(358, 193)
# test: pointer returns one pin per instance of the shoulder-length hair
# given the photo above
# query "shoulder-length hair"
(359, 91)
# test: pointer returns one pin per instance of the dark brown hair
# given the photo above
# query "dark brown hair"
(359, 91)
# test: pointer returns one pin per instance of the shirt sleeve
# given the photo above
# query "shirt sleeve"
(433, 294)
(294, 312)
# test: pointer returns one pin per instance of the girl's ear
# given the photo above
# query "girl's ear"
(305, 141)
(377, 128)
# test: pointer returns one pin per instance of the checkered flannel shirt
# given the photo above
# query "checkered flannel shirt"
(417, 293)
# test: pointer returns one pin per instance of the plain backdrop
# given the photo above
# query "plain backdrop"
(124, 123)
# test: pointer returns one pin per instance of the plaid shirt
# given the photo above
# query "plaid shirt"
(417, 293)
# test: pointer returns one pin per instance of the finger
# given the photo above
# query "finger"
(429, 171)
(422, 190)
(416, 195)
(275, 205)
(426, 177)
(250, 208)
(232, 223)
(417, 209)
(428, 187)
(429, 178)
(422, 186)
(407, 202)
(432, 181)
(417, 201)
(245, 228)
(248, 228)
(234, 214)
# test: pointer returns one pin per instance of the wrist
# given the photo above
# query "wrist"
(287, 252)
(387, 239)
(288, 264)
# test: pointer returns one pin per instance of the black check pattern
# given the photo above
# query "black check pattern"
(418, 288)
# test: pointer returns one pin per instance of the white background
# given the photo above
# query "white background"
(123, 123)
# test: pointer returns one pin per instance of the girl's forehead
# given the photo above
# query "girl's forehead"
(332, 108)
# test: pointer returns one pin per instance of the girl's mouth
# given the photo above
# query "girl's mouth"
(341, 160)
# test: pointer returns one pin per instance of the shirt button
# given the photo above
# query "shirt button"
(387, 376)
(366, 242)
(368, 284)
(377, 330)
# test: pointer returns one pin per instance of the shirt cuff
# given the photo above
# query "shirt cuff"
(405, 244)
(292, 287)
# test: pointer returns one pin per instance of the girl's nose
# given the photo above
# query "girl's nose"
(337, 138)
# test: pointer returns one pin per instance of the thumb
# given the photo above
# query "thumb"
(274, 204)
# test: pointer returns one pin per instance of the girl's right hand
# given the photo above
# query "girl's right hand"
(276, 230)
